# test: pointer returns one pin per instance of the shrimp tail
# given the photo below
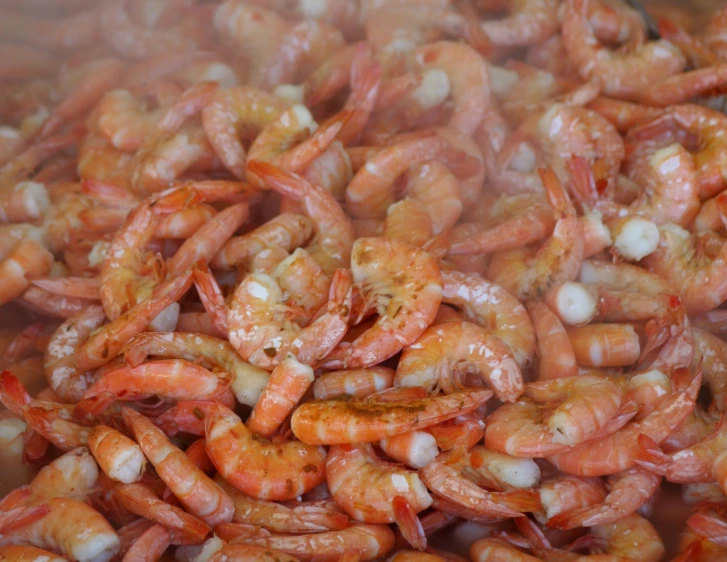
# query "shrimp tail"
(408, 523)
(12, 391)
(650, 456)
(709, 527)
(20, 517)
(522, 501)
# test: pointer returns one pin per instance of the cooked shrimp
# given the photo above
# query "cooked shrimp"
(197, 492)
(150, 545)
(492, 307)
(287, 384)
(355, 382)
(61, 372)
(504, 471)
(265, 470)
(565, 493)
(587, 404)
(529, 22)
(177, 379)
(334, 422)
(446, 476)
(529, 273)
(73, 475)
(622, 75)
(497, 550)
(406, 304)
(415, 449)
(628, 490)
(278, 518)
(118, 456)
(616, 452)
(183, 528)
(557, 358)
(605, 345)
(26, 553)
(26, 258)
(445, 355)
(247, 381)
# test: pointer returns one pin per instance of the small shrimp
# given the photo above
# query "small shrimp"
(287, 231)
(118, 456)
(605, 345)
(372, 496)
(197, 492)
(62, 375)
(617, 452)
(527, 272)
(566, 493)
(287, 384)
(49, 419)
(445, 355)
(555, 351)
(622, 75)
(247, 381)
(628, 490)
(238, 109)
(260, 333)
(141, 500)
(279, 518)
(497, 550)
(259, 468)
(529, 22)
(585, 405)
(177, 379)
(406, 304)
(447, 476)
(504, 471)
(106, 342)
(354, 382)
(692, 263)
(492, 307)
(335, 422)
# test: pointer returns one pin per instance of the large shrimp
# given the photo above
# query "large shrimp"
(337, 422)
(530, 272)
(587, 404)
(617, 452)
(445, 355)
(247, 381)
(375, 493)
(61, 372)
(404, 285)
(197, 492)
(118, 456)
(333, 239)
(622, 75)
(259, 468)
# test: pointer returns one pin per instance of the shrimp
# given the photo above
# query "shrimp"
(247, 381)
(406, 304)
(415, 449)
(259, 468)
(354, 382)
(171, 378)
(504, 471)
(118, 456)
(713, 353)
(335, 422)
(587, 404)
(247, 553)
(26, 258)
(333, 239)
(605, 345)
(492, 307)
(197, 492)
(497, 550)
(256, 304)
(278, 518)
(691, 262)
(106, 342)
(50, 420)
(446, 476)
(150, 545)
(73, 475)
(617, 452)
(714, 33)
(622, 75)
(529, 273)
(372, 496)
(628, 490)
(557, 357)
(287, 231)
(564, 494)
(371, 542)
(446, 355)
(26, 553)
(235, 109)
(61, 372)
(141, 500)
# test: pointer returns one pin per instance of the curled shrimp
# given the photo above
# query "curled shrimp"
(529, 22)
(118, 456)
(259, 468)
(445, 355)
(587, 404)
(334, 422)
(406, 303)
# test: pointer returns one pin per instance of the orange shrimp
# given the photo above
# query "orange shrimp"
(355, 382)
(118, 456)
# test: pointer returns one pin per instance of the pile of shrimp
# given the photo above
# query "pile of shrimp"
(341, 280)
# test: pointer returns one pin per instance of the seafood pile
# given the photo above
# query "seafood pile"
(330, 280)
